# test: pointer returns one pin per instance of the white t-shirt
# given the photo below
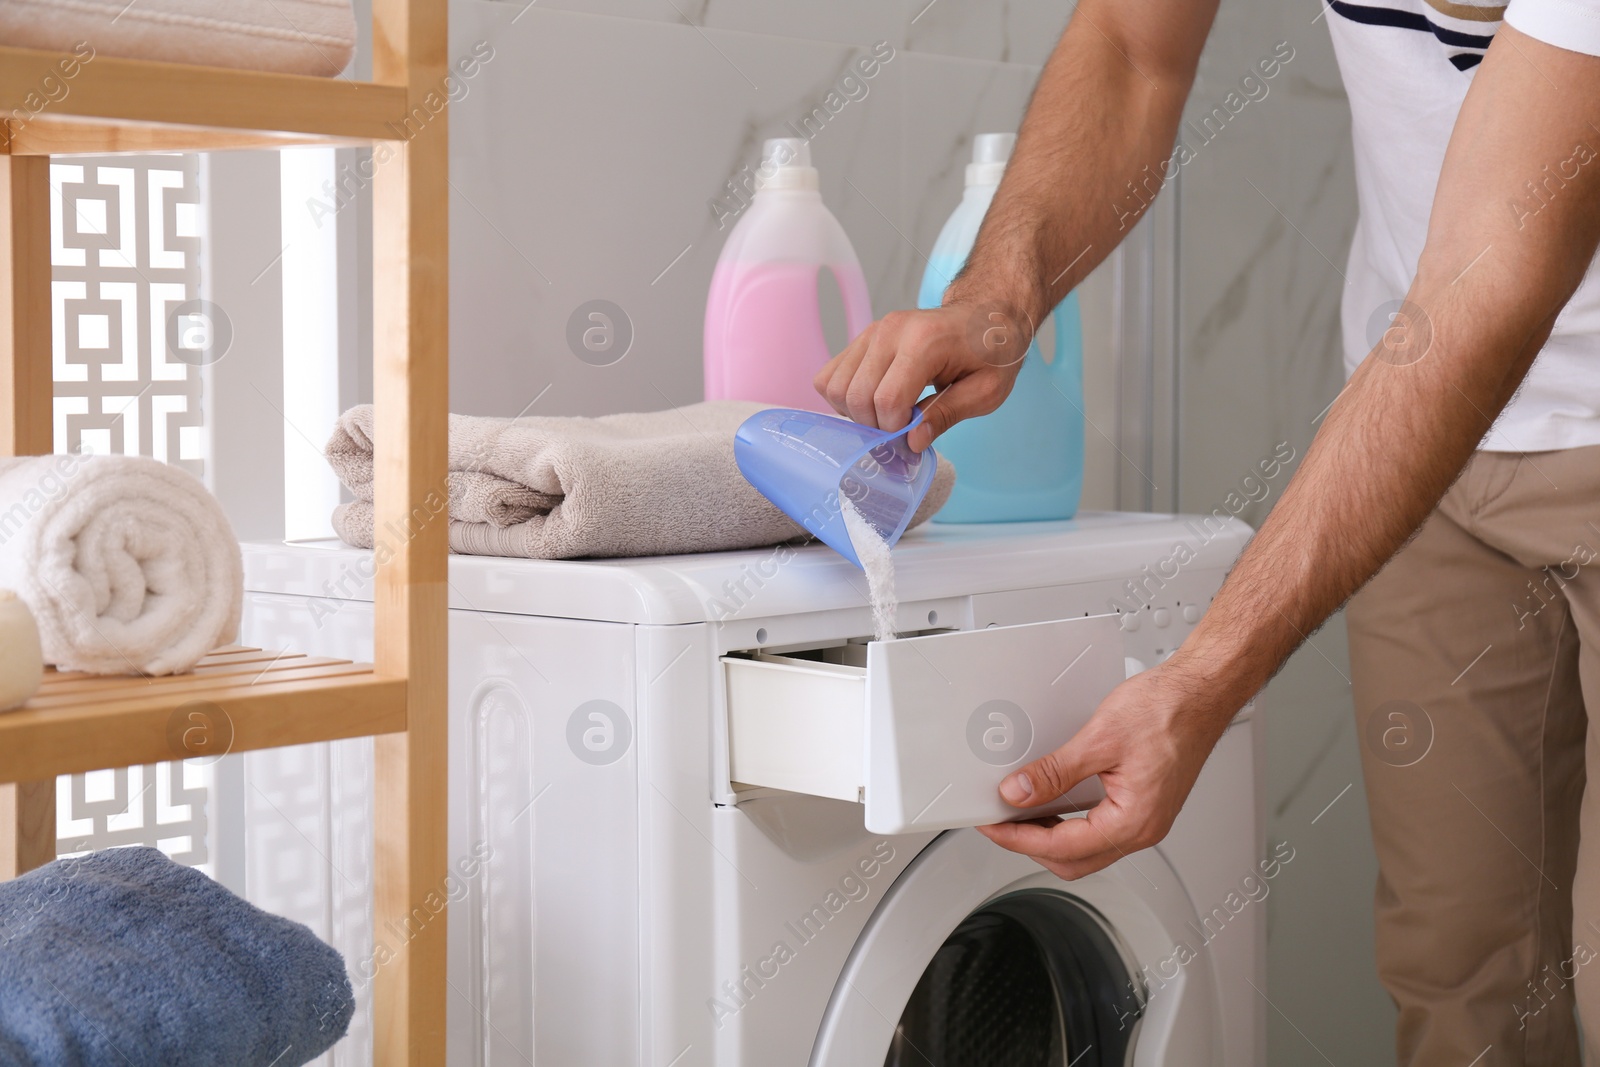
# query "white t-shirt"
(1406, 66)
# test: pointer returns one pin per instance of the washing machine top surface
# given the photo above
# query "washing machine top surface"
(935, 560)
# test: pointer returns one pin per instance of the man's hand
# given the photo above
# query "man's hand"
(1147, 741)
(970, 355)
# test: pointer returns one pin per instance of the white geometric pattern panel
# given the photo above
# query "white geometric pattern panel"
(308, 839)
(125, 273)
(125, 252)
(307, 819)
(159, 804)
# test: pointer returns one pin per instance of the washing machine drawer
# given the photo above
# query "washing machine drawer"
(920, 730)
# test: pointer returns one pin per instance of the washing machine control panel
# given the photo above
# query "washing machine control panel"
(1155, 614)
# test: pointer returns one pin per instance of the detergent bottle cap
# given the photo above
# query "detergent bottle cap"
(990, 153)
(786, 164)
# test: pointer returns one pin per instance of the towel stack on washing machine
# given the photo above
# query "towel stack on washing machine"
(697, 818)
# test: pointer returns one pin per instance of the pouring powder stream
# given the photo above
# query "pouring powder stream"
(876, 560)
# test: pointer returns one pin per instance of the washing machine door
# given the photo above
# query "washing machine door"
(977, 956)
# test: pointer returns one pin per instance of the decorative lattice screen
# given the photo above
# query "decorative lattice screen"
(125, 237)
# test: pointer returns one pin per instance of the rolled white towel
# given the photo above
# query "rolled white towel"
(129, 565)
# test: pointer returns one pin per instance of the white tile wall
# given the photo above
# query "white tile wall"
(1009, 31)
(586, 157)
(838, 21)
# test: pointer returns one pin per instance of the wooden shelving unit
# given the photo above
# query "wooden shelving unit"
(267, 699)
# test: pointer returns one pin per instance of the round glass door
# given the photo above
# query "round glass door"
(1031, 979)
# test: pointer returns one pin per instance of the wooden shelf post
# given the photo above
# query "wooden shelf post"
(27, 809)
(410, 391)
(25, 306)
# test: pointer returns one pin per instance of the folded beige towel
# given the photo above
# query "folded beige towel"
(287, 36)
(552, 487)
(484, 498)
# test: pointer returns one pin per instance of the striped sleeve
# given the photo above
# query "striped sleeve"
(1570, 24)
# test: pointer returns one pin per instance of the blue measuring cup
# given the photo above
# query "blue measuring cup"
(807, 464)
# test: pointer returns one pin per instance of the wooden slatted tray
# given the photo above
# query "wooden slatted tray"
(237, 699)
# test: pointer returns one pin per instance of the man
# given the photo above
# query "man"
(1478, 646)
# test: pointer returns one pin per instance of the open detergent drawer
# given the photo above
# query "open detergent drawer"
(921, 730)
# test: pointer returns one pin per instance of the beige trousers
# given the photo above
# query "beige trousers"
(1474, 653)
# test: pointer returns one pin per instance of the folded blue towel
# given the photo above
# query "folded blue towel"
(123, 958)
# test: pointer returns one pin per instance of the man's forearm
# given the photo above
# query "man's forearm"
(1390, 446)
(1489, 286)
(1106, 107)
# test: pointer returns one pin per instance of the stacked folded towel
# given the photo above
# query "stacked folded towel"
(560, 487)
(123, 957)
(128, 565)
(288, 36)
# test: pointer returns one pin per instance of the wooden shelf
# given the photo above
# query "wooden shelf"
(180, 105)
(237, 699)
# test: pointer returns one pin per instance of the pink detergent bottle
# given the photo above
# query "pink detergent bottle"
(763, 338)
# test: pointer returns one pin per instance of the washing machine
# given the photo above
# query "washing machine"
(698, 818)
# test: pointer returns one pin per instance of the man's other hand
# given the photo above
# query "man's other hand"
(1147, 741)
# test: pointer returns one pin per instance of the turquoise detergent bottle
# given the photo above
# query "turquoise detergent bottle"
(1023, 461)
